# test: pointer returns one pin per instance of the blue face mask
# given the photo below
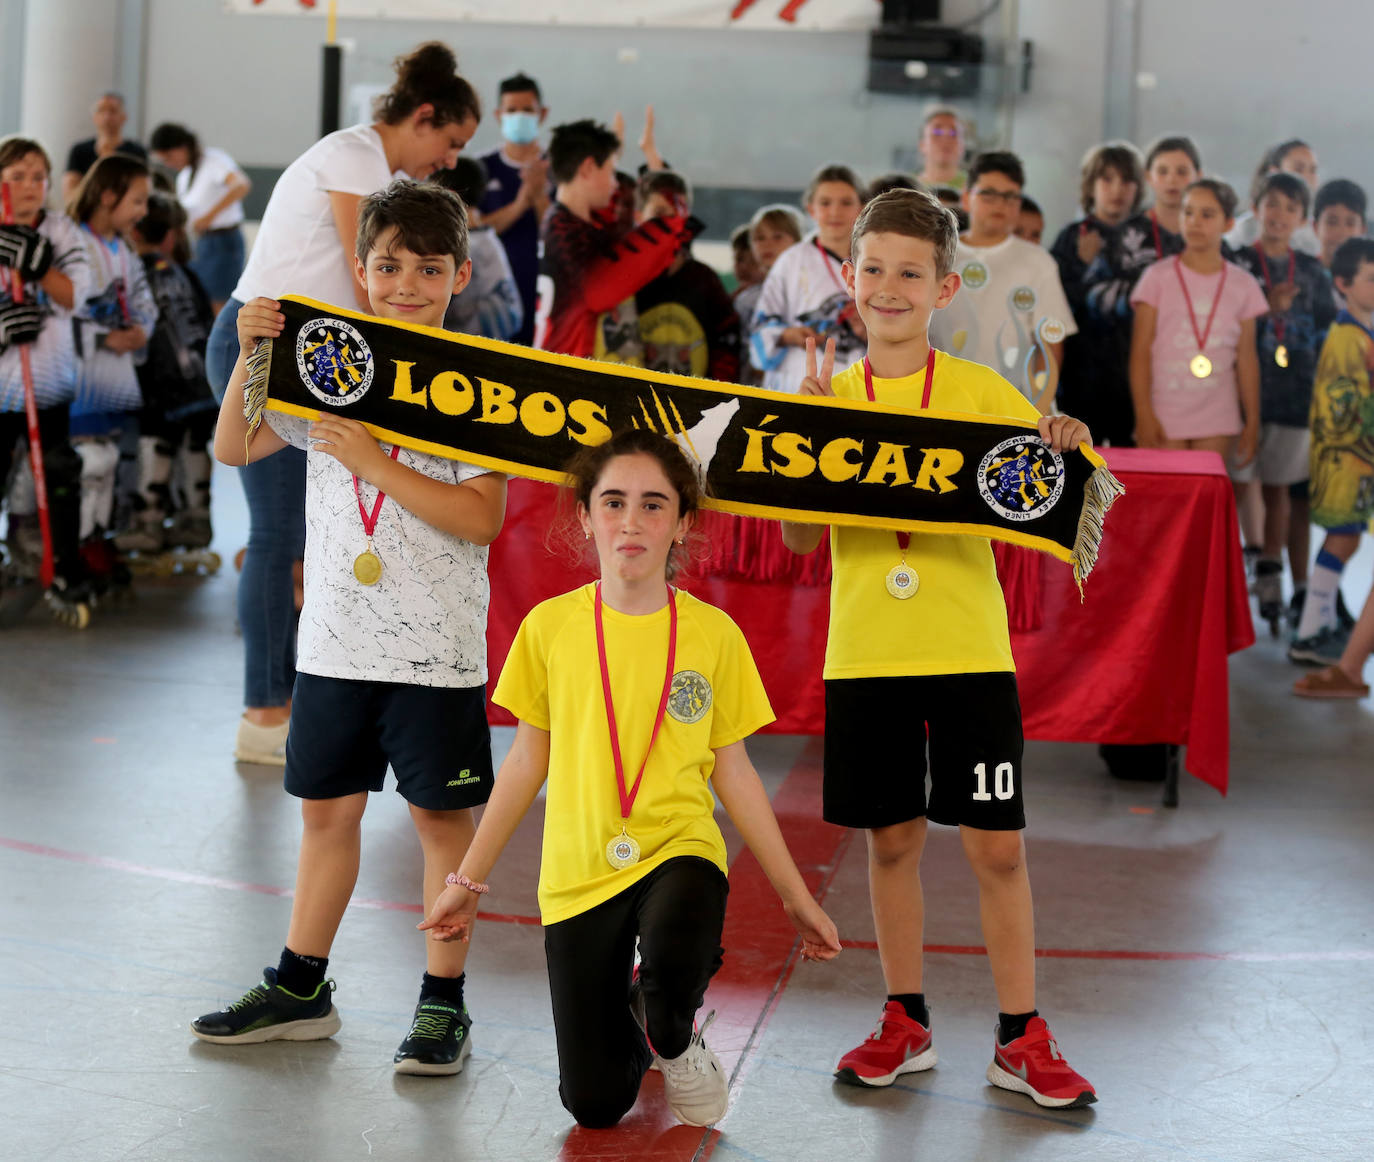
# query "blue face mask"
(519, 128)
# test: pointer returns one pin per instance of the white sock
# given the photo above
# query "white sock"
(1319, 607)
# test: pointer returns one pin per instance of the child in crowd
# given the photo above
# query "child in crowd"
(1094, 384)
(631, 858)
(587, 266)
(1012, 315)
(891, 181)
(1289, 338)
(1194, 368)
(1143, 239)
(1338, 213)
(1342, 469)
(47, 253)
(804, 297)
(1030, 220)
(683, 321)
(178, 417)
(392, 648)
(933, 673)
(772, 229)
(942, 150)
(111, 327)
(490, 305)
(518, 189)
(743, 265)
(1291, 157)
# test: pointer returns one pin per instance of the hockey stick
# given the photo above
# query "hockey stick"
(78, 615)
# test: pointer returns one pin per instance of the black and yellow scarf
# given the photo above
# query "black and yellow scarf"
(819, 461)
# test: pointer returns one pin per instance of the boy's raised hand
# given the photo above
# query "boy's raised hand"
(452, 916)
(1281, 297)
(351, 444)
(652, 158)
(1064, 433)
(259, 318)
(818, 383)
(820, 938)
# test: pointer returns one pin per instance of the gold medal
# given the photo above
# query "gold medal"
(1200, 366)
(367, 567)
(1281, 355)
(622, 851)
(902, 582)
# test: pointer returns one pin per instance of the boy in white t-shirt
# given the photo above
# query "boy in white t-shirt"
(391, 659)
(1011, 313)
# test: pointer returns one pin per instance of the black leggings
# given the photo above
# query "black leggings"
(61, 472)
(677, 911)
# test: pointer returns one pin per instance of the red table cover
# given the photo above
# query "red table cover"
(1142, 659)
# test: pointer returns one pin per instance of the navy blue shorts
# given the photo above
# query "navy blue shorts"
(345, 733)
(878, 732)
(218, 260)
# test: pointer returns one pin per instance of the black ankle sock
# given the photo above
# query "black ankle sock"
(915, 1006)
(443, 988)
(1010, 1026)
(301, 975)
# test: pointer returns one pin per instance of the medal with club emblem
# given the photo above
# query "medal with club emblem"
(623, 849)
(902, 581)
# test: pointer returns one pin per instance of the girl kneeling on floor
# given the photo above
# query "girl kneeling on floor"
(631, 847)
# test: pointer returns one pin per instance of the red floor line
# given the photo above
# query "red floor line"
(184, 877)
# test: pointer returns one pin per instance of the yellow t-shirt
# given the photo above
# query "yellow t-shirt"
(552, 680)
(957, 621)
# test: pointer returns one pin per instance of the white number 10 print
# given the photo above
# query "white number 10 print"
(1003, 782)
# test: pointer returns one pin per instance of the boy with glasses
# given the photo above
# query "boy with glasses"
(1010, 313)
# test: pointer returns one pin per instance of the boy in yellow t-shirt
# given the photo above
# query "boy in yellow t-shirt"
(924, 661)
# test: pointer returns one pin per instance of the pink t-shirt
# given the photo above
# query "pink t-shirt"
(1189, 408)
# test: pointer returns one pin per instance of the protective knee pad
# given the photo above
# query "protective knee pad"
(99, 463)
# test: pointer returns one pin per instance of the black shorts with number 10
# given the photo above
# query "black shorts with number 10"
(876, 736)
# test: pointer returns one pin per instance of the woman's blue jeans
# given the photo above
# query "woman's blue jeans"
(275, 488)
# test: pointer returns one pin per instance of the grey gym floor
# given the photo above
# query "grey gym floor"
(1222, 1012)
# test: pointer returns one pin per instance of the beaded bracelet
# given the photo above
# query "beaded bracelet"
(463, 882)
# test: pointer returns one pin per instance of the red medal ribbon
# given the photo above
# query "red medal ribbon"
(627, 798)
(1154, 227)
(826, 256)
(903, 539)
(1269, 285)
(1187, 298)
(370, 519)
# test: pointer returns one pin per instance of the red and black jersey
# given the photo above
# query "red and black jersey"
(585, 271)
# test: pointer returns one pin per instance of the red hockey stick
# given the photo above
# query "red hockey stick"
(40, 483)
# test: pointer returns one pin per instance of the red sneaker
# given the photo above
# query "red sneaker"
(898, 1045)
(1034, 1066)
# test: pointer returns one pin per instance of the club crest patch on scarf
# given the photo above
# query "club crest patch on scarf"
(759, 453)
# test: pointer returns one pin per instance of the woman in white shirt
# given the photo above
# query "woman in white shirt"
(305, 246)
(211, 187)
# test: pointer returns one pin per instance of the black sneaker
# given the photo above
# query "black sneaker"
(267, 1012)
(438, 1041)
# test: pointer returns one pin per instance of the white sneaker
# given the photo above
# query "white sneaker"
(694, 1084)
(261, 744)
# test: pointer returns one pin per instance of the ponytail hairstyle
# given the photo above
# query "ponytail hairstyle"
(113, 174)
(170, 135)
(429, 76)
(1225, 196)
